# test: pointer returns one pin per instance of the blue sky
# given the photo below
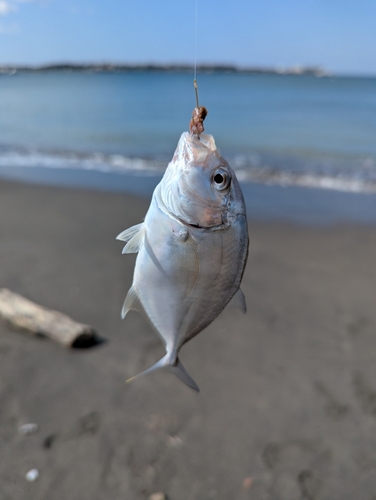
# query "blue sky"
(340, 35)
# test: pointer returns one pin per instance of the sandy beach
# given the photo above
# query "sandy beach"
(287, 408)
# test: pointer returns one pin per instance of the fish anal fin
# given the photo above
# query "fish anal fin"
(238, 301)
(132, 302)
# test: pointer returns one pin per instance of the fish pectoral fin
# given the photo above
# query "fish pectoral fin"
(132, 302)
(238, 301)
(129, 233)
(134, 237)
(184, 376)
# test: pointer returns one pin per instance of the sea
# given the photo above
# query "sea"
(302, 146)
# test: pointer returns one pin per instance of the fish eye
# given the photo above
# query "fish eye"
(221, 179)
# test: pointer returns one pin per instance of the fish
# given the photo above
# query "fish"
(192, 249)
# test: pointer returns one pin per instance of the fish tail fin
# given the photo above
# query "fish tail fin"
(177, 369)
(183, 375)
(159, 364)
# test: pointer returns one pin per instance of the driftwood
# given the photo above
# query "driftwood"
(23, 314)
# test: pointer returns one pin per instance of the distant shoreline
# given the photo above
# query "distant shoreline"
(168, 68)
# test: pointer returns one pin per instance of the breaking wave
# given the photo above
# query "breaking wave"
(337, 181)
(357, 175)
(84, 161)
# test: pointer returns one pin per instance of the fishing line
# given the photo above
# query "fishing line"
(195, 66)
(196, 125)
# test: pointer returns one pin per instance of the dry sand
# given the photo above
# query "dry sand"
(287, 408)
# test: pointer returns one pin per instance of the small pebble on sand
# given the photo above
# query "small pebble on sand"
(32, 475)
(174, 441)
(247, 483)
(28, 429)
(158, 496)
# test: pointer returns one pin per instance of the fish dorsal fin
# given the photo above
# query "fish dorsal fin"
(132, 302)
(134, 237)
(238, 301)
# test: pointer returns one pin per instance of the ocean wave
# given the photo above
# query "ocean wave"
(83, 161)
(356, 176)
(351, 183)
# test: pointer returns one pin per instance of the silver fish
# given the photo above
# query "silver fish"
(192, 249)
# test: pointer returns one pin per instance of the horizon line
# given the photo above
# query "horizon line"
(296, 69)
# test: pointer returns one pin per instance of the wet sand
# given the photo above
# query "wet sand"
(287, 408)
